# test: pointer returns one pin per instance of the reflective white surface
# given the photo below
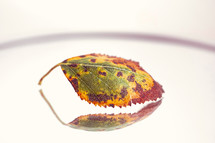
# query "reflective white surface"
(185, 115)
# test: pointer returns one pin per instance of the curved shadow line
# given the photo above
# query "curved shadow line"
(105, 35)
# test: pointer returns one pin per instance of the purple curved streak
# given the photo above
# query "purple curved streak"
(105, 35)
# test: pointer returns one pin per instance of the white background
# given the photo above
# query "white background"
(187, 112)
(193, 19)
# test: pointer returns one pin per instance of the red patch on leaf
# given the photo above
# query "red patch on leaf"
(150, 95)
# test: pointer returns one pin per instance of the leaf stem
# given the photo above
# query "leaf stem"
(40, 82)
(50, 106)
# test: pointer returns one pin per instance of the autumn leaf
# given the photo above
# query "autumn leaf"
(107, 122)
(109, 81)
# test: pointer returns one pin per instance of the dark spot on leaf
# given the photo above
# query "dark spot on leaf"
(122, 120)
(115, 96)
(129, 103)
(97, 118)
(123, 92)
(82, 56)
(131, 68)
(75, 122)
(100, 118)
(131, 78)
(78, 75)
(93, 60)
(65, 61)
(111, 105)
(143, 80)
(64, 71)
(139, 89)
(140, 68)
(74, 82)
(73, 65)
(102, 73)
(99, 97)
(85, 68)
(118, 61)
(119, 74)
(136, 100)
(93, 54)
(112, 97)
